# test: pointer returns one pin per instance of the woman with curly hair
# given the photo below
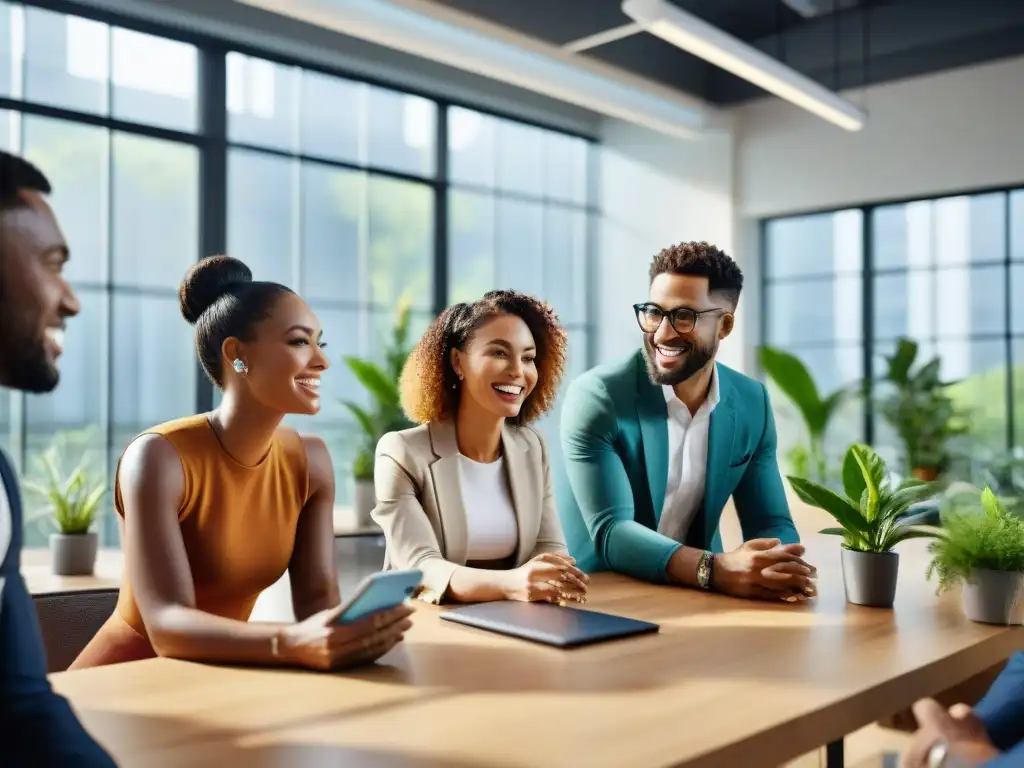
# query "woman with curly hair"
(466, 497)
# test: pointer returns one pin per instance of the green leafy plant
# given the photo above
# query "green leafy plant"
(920, 410)
(869, 509)
(791, 376)
(381, 382)
(73, 500)
(989, 538)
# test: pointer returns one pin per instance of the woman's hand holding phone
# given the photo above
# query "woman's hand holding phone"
(321, 643)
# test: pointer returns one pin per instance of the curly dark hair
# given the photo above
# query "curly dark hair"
(701, 259)
(429, 385)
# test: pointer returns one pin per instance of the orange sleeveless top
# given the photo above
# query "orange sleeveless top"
(238, 524)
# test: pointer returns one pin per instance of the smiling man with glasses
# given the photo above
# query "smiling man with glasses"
(655, 445)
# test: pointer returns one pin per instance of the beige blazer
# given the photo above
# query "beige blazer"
(419, 500)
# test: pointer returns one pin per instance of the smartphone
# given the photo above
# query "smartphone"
(379, 592)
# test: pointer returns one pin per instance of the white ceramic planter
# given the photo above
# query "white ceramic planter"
(365, 501)
(994, 597)
(73, 554)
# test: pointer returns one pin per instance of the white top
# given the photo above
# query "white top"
(687, 460)
(492, 530)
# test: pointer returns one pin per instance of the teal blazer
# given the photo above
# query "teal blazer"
(614, 434)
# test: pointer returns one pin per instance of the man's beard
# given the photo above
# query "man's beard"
(697, 357)
(23, 361)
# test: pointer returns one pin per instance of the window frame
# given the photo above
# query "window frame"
(868, 274)
(213, 145)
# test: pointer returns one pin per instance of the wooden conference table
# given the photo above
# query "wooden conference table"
(725, 683)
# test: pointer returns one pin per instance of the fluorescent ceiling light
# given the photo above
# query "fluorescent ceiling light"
(686, 31)
(439, 34)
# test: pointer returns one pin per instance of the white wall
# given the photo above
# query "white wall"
(655, 191)
(925, 136)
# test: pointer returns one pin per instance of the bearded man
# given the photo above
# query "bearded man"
(655, 444)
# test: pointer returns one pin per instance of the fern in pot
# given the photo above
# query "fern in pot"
(73, 503)
(869, 512)
(983, 549)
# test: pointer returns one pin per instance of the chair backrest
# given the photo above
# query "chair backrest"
(69, 620)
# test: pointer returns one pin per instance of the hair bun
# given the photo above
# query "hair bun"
(207, 281)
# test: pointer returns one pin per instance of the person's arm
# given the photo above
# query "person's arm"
(604, 494)
(550, 537)
(410, 538)
(152, 484)
(37, 726)
(760, 497)
(1002, 707)
(1013, 758)
(312, 570)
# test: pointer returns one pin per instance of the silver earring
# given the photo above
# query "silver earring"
(239, 366)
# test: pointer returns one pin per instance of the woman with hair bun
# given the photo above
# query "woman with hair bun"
(467, 496)
(215, 507)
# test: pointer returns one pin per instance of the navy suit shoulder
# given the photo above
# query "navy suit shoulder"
(37, 727)
(1002, 707)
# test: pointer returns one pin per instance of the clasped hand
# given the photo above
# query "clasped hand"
(765, 569)
(548, 577)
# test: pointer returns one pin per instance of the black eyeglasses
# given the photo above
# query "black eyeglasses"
(682, 319)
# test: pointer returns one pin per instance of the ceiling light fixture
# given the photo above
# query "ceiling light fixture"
(434, 32)
(684, 30)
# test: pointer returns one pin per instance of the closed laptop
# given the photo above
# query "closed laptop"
(547, 623)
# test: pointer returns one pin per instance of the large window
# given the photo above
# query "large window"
(359, 196)
(125, 177)
(947, 273)
(331, 188)
(518, 218)
(813, 309)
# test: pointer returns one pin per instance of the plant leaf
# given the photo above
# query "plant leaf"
(854, 483)
(873, 472)
(375, 380)
(908, 494)
(899, 533)
(901, 361)
(832, 403)
(833, 531)
(845, 513)
(792, 377)
(990, 504)
(364, 419)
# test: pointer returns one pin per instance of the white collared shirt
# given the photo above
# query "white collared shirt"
(687, 460)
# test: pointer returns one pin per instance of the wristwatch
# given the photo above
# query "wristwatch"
(704, 568)
(938, 757)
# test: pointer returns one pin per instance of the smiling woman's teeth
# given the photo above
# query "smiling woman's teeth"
(508, 389)
(311, 383)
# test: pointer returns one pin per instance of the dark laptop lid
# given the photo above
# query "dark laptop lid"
(547, 623)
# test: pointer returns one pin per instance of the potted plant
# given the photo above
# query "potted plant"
(921, 411)
(73, 503)
(793, 379)
(384, 414)
(983, 549)
(868, 512)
